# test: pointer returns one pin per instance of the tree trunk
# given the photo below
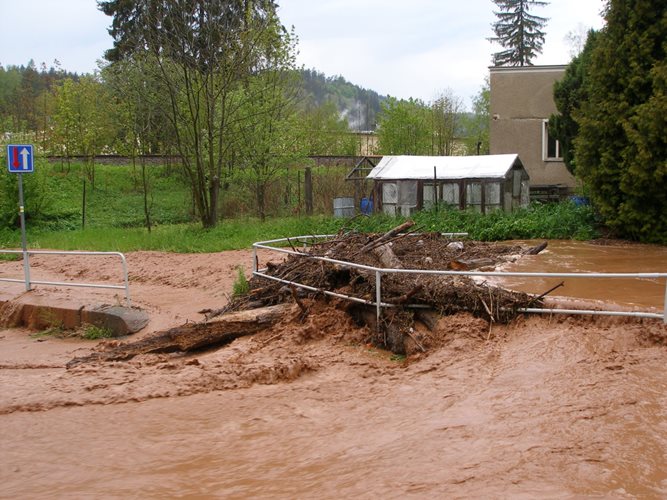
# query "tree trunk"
(144, 183)
(193, 336)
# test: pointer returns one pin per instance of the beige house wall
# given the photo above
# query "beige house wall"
(368, 143)
(521, 100)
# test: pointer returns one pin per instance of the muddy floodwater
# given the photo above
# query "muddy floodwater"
(546, 407)
(584, 257)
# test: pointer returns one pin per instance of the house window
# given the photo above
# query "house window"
(550, 145)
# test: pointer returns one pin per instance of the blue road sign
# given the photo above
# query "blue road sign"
(19, 158)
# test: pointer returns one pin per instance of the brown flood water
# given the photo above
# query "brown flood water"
(577, 256)
(545, 408)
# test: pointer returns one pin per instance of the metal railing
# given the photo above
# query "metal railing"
(28, 282)
(382, 271)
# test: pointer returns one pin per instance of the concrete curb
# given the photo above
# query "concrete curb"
(38, 314)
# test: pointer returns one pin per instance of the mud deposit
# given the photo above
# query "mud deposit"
(542, 407)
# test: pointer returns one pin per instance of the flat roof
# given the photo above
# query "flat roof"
(528, 69)
(446, 167)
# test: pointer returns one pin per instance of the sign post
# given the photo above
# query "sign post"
(20, 161)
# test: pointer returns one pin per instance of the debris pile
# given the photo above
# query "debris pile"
(412, 296)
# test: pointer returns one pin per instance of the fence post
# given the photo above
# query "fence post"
(664, 314)
(254, 259)
(126, 279)
(378, 298)
(308, 190)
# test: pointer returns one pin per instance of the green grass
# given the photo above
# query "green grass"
(241, 285)
(228, 235)
(116, 200)
(549, 221)
(86, 331)
(92, 332)
(553, 221)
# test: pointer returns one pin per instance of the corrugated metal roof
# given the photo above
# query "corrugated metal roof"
(446, 167)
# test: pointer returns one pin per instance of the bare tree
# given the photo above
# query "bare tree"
(446, 114)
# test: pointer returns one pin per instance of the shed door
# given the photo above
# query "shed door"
(407, 196)
(389, 197)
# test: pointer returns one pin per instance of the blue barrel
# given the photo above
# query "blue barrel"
(366, 206)
(580, 201)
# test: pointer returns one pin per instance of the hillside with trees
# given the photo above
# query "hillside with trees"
(360, 107)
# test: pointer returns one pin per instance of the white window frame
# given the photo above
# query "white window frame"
(545, 144)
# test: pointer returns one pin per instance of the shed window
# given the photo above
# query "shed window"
(492, 196)
(407, 193)
(450, 193)
(399, 197)
(525, 193)
(474, 195)
(389, 192)
(429, 194)
(407, 197)
(516, 183)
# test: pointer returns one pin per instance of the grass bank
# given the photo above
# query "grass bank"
(552, 221)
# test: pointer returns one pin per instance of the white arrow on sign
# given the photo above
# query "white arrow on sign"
(25, 153)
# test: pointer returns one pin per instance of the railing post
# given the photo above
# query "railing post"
(378, 298)
(254, 259)
(126, 279)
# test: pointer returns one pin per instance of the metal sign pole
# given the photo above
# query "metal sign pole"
(24, 245)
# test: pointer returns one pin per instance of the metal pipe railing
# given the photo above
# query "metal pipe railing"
(125, 286)
(379, 271)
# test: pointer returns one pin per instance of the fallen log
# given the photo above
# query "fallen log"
(193, 336)
(387, 257)
(537, 248)
(387, 236)
(406, 297)
(468, 264)
(428, 317)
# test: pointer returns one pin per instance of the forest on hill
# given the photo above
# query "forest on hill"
(359, 106)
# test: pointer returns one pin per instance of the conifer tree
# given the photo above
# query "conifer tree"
(569, 95)
(518, 31)
(621, 147)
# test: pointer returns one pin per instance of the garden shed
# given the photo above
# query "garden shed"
(405, 184)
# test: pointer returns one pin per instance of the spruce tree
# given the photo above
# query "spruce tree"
(621, 148)
(518, 32)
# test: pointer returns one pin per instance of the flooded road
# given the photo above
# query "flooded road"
(559, 407)
(578, 256)
(546, 410)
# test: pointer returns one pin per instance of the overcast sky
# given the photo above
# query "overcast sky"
(401, 48)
